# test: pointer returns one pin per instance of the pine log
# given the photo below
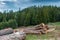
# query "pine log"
(14, 36)
(6, 31)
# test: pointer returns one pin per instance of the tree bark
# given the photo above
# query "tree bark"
(6, 31)
(14, 36)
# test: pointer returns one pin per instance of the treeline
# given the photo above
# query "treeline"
(29, 16)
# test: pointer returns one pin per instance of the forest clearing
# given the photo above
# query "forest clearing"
(29, 20)
(26, 24)
(32, 34)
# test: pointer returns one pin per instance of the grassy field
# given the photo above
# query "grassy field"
(48, 36)
(55, 23)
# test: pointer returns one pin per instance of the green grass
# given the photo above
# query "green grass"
(35, 37)
(38, 37)
(32, 37)
(55, 23)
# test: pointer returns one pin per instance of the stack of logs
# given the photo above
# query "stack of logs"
(38, 29)
(8, 34)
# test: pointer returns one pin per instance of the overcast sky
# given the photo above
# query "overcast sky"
(15, 4)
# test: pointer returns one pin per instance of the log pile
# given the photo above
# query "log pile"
(10, 34)
(38, 29)
(14, 36)
(6, 31)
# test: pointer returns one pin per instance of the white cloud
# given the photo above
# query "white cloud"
(9, 0)
(2, 10)
(24, 0)
(2, 3)
(51, 3)
(16, 4)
